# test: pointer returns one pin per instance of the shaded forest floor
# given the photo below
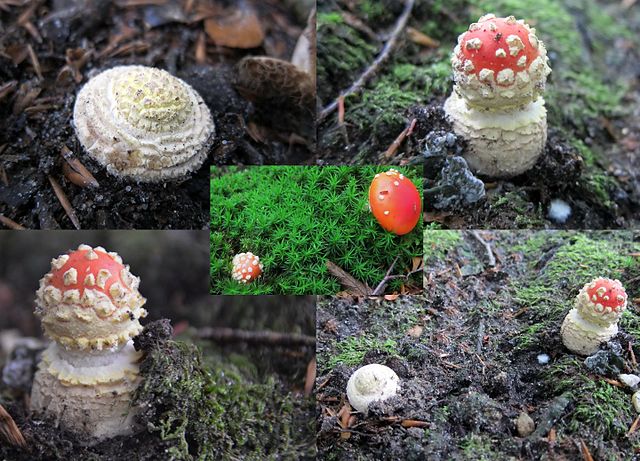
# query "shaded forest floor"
(48, 50)
(480, 348)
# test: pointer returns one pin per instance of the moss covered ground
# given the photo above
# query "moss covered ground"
(471, 354)
(298, 218)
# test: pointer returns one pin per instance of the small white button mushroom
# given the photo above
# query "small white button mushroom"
(371, 383)
(594, 319)
(143, 123)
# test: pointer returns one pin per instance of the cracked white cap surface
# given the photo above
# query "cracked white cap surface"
(371, 383)
(143, 123)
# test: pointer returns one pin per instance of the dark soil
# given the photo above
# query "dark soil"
(36, 112)
(468, 355)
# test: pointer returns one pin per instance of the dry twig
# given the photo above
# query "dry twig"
(380, 288)
(487, 247)
(272, 338)
(64, 201)
(10, 430)
(375, 65)
(10, 223)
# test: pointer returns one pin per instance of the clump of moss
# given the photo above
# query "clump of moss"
(353, 349)
(298, 218)
(600, 409)
(437, 243)
(214, 411)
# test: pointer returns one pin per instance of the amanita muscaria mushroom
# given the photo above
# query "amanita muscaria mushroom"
(143, 123)
(246, 267)
(90, 307)
(500, 68)
(371, 383)
(594, 319)
(395, 202)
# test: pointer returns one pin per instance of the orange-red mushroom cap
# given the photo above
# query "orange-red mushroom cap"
(610, 294)
(246, 267)
(395, 202)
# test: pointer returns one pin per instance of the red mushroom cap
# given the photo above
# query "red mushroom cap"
(609, 293)
(395, 202)
(92, 268)
(246, 267)
(496, 49)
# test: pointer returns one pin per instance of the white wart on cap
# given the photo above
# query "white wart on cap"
(143, 123)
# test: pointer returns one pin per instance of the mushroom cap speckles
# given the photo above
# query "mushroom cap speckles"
(602, 301)
(395, 202)
(371, 383)
(143, 123)
(246, 267)
(500, 62)
(89, 299)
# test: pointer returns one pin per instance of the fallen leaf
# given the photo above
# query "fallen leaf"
(347, 280)
(239, 28)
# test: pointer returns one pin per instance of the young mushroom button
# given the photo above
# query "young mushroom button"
(90, 307)
(246, 267)
(395, 202)
(371, 383)
(143, 123)
(594, 318)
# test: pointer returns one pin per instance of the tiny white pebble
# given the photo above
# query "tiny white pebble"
(543, 359)
(559, 211)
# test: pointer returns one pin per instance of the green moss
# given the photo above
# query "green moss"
(298, 218)
(477, 448)
(330, 17)
(517, 205)
(438, 243)
(352, 350)
(374, 11)
(600, 409)
(342, 53)
(215, 412)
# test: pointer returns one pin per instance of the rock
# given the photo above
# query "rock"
(455, 185)
(629, 380)
(548, 417)
(606, 362)
(525, 425)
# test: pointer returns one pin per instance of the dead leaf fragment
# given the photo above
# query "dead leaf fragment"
(239, 28)
(347, 280)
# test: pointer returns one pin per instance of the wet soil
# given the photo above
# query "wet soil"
(472, 357)
(48, 50)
